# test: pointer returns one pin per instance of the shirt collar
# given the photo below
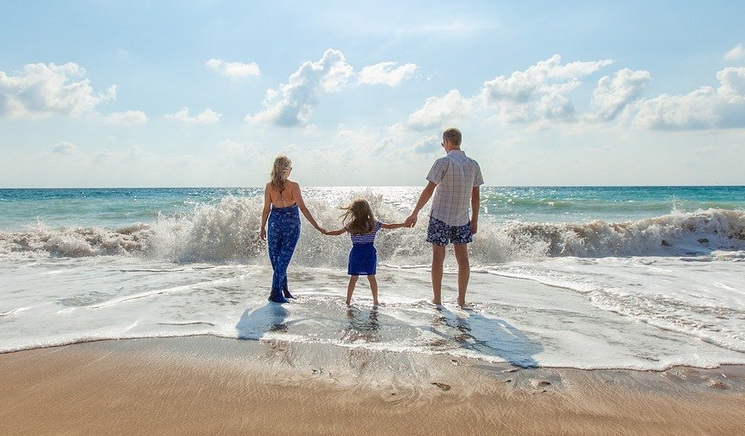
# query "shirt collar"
(456, 151)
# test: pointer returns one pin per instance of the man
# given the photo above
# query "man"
(454, 180)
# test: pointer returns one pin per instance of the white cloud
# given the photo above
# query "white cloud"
(691, 111)
(64, 148)
(704, 108)
(732, 87)
(545, 77)
(613, 95)
(555, 107)
(541, 95)
(540, 92)
(233, 70)
(206, 117)
(386, 73)
(438, 112)
(428, 144)
(49, 89)
(735, 53)
(295, 101)
(127, 118)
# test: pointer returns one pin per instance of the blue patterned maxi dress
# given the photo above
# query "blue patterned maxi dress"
(282, 236)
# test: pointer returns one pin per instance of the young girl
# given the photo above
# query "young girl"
(360, 223)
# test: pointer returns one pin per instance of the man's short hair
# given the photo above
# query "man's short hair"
(453, 135)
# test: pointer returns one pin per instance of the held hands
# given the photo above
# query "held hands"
(411, 220)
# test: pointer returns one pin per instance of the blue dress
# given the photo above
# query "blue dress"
(282, 237)
(363, 259)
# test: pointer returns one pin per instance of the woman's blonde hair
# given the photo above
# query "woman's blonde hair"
(281, 164)
(358, 218)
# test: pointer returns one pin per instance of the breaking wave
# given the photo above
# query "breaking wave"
(228, 232)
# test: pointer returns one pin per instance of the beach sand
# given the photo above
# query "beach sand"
(206, 386)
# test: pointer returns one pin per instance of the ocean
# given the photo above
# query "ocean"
(582, 277)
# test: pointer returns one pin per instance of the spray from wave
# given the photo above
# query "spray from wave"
(227, 232)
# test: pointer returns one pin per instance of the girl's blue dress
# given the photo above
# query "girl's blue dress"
(363, 258)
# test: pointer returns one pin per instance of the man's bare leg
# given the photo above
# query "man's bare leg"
(438, 260)
(464, 271)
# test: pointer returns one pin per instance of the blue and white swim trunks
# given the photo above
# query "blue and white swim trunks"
(440, 233)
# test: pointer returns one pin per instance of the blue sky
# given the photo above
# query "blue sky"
(206, 93)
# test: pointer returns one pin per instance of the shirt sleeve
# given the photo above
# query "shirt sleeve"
(478, 180)
(437, 172)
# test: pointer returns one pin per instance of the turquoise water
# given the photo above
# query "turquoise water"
(20, 208)
(611, 204)
(102, 207)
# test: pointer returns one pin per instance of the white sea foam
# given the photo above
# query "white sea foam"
(227, 232)
(641, 313)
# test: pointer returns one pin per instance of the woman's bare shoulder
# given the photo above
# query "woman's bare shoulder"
(271, 190)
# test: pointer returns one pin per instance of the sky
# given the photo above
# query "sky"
(207, 93)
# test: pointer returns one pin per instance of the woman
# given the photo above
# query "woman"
(282, 199)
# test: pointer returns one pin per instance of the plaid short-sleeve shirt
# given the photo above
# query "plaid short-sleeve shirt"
(455, 176)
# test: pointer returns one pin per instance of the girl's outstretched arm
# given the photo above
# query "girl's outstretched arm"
(335, 232)
(393, 226)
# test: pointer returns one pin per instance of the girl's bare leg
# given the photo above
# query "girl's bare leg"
(374, 288)
(350, 288)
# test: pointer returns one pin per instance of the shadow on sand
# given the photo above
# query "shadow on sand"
(269, 318)
(487, 336)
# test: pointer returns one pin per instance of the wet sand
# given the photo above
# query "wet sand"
(205, 385)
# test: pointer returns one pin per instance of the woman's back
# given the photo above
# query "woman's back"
(283, 198)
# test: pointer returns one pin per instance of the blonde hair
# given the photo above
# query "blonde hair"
(277, 179)
(358, 218)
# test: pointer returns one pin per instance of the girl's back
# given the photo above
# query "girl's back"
(365, 238)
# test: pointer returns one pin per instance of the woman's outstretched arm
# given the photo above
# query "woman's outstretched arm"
(304, 209)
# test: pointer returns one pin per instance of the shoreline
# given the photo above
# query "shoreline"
(209, 385)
